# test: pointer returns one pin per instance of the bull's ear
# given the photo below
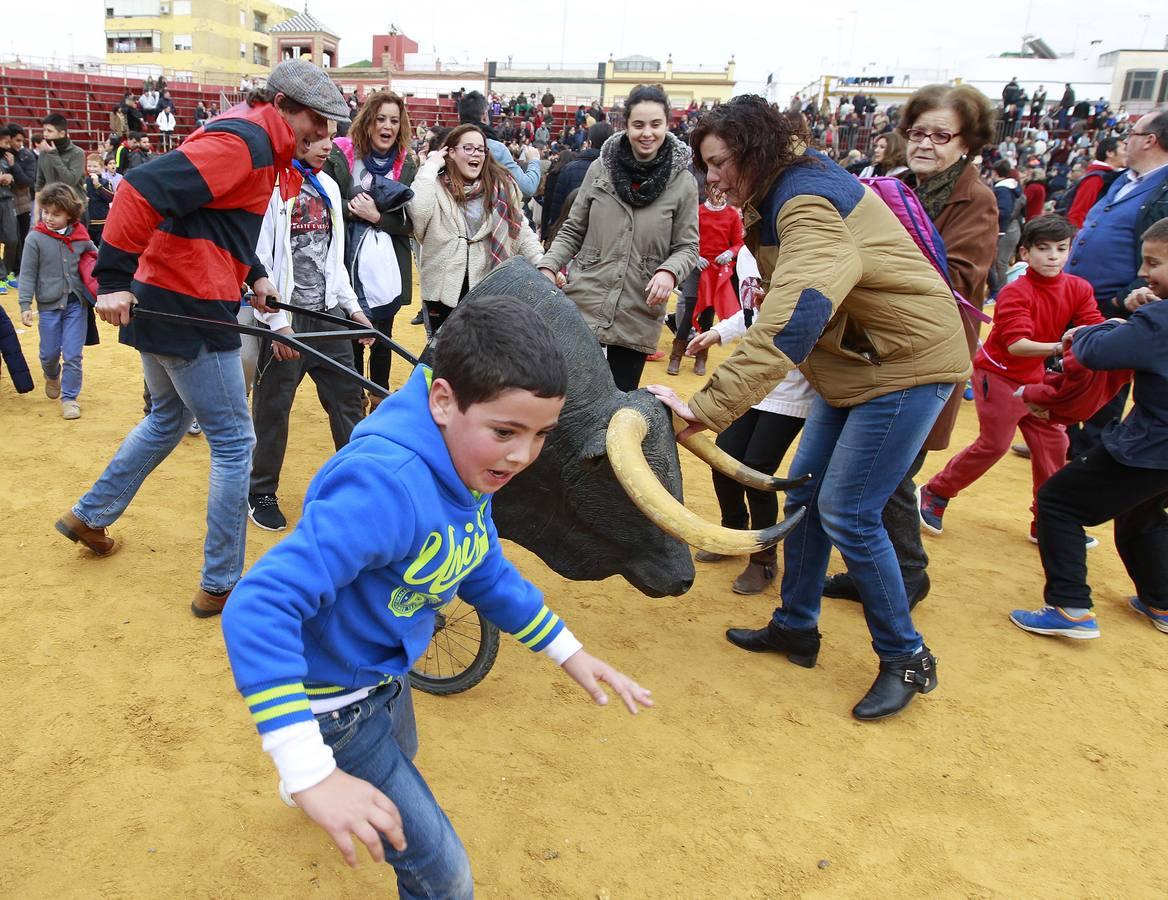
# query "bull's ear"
(594, 448)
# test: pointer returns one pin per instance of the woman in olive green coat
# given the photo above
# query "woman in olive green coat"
(633, 233)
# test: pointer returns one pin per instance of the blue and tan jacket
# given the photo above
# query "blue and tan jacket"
(850, 300)
(389, 534)
(182, 235)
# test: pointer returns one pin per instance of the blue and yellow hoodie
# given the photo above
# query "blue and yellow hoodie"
(388, 535)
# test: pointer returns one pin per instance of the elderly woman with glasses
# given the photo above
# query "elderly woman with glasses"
(945, 128)
(468, 218)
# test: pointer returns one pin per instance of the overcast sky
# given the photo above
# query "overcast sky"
(796, 42)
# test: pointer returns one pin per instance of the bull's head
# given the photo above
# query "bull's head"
(604, 497)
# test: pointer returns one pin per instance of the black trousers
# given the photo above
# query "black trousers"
(902, 521)
(380, 356)
(275, 389)
(626, 366)
(759, 440)
(1088, 435)
(1090, 490)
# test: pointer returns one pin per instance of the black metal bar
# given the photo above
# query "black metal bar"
(265, 334)
(334, 335)
(347, 323)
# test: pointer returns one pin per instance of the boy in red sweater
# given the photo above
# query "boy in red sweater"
(1031, 317)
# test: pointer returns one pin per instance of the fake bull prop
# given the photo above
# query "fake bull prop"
(604, 497)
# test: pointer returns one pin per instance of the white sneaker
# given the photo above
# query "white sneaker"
(70, 409)
(196, 429)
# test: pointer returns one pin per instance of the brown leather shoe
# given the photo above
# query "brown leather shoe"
(755, 579)
(207, 605)
(77, 531)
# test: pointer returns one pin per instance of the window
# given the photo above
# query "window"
(259, 54)
(133, 41)
(182, 42)
(260, 23)
(1163, 86)
(1139, 84)
(181, 7)
(242, 18)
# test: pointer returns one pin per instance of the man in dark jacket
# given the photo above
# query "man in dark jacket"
(572, 175)
(66, 161)
(203, 203)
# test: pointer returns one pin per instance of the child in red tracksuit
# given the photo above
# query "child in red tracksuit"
(1031, 317)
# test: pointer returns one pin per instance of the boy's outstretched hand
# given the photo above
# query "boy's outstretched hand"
(588, 671)
(343, 806)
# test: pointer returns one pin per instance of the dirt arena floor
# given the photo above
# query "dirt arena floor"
(131, 767)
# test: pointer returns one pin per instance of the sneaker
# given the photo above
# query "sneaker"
(3, 287)
(932, 510)
(968, 392)
(1020, 450)
(12, 282)
(265, 512)
(417, 319)
(1091, 543)
(655, 356)
(196, 429)
(1158, 617)
(1052, 620)
(70, 409)
(52, 387)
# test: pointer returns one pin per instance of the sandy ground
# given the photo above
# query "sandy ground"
(1037, 769)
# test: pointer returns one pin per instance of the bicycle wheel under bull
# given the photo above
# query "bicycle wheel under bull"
(461, 652)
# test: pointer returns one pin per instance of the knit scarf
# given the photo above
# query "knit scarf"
(935, 192)
(384, 165)
(640, 182)
(506, 219)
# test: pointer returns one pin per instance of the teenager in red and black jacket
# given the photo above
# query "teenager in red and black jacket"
(181, 239)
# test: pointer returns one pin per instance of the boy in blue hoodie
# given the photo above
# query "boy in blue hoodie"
(323, 630)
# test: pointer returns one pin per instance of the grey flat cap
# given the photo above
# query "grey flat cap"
(309, 86)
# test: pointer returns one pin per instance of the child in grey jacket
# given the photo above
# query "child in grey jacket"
(50, 271)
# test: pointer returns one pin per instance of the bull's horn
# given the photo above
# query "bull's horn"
(626, 432)
(721, 461)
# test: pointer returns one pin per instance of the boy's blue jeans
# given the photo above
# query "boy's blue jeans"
(856, 456)
(375, 740)
(62, 334)
(210, 387)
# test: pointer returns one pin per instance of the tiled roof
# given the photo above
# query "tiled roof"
(303, 22)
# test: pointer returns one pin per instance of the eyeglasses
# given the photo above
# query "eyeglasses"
(473, 149)
(938, 138)
(1132, 134)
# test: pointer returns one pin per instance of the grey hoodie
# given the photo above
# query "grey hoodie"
(50, 270)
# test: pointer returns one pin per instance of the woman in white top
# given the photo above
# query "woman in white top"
(467, 217)
(760, 439)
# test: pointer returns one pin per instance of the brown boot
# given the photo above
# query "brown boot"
(758, 575)
(374, 402)
(206, 605)
(77, 531)
(700, 362)
(675, 354)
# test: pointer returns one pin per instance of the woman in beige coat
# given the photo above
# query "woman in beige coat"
(467, 217)
(633, 231)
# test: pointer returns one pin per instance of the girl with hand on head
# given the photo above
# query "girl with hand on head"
(468, 218)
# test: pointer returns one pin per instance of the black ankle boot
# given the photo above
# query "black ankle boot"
(800, 647)
(896, 684)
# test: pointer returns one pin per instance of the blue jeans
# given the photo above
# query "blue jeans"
(375, 740)
(209, 387)
(63, 335)
(856, 456)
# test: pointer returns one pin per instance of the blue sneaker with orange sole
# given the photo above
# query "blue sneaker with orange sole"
(1054, 621)
(1158, 617)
